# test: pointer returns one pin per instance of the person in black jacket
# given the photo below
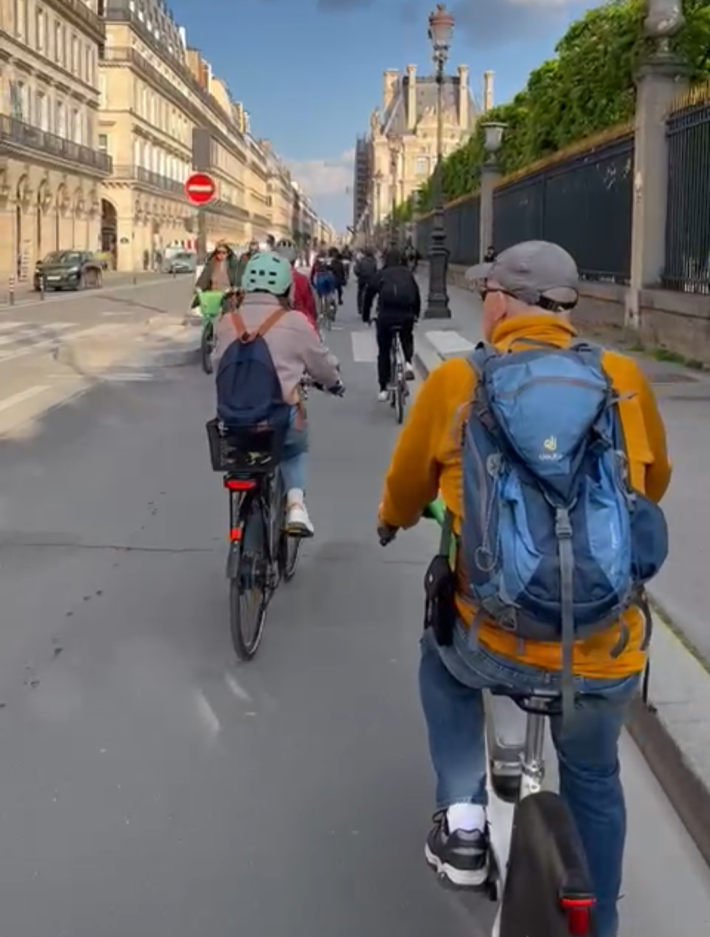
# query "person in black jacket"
(366, 270)
(399, 305)
(338, 268)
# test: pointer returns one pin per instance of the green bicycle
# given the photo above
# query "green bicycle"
(210, 304)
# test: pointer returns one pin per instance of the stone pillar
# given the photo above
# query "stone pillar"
(411, 97)
(490, 175)
(463, 96)
(659, 81)
(487, 92)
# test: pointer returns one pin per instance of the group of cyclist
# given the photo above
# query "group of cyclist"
(527, 293)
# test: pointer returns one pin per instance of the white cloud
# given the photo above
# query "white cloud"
(323, 177)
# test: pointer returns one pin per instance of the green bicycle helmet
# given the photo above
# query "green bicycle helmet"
(266, 272)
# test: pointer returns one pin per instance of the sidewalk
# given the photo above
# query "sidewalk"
(680, 677)
(24, 290)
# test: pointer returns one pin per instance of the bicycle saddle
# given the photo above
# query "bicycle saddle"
(545, 702)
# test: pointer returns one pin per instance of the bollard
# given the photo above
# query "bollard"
(11, 296)
(42, 286)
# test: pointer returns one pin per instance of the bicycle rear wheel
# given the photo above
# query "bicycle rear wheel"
(400, 396)
(206, 346)
(249, 588)
(548, 879)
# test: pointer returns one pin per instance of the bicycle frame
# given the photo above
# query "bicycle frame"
(242, 491)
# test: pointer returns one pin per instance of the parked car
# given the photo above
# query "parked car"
(182, 262)
(68, 270)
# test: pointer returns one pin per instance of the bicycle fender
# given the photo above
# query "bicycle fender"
(233, 561)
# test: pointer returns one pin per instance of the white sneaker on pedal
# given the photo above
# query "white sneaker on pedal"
(409, 371)
(383, 396)
(298, 523)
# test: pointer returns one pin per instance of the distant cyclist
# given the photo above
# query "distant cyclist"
(322, 276)
(222, 270)
(339, 272)
(302, 298)
(398, 308)
(295, 348)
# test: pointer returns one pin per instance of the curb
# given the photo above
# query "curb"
(685, 789)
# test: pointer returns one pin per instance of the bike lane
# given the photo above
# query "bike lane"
(151, 785)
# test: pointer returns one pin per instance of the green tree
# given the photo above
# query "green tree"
(586, 88)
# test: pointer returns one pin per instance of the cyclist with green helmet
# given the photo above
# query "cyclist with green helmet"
(295, 350)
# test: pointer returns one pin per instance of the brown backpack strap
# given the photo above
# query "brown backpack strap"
(240, 328)
(270, 321)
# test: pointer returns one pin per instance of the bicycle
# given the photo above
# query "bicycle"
(538, 874)
(210, 304)
(326, 308)
(398, 389)
(261, 553)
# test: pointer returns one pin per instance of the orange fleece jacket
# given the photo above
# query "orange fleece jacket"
(427, 463)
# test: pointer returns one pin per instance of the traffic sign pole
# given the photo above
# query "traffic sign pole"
(200, 190)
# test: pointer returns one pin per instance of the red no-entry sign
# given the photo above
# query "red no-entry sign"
(200, 188)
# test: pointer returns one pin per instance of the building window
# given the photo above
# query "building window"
(75, 57)
(61, 119)
(423, 166)
(42, 111)
(57, 41)
(103, 143)
(21, 19)
(41, 29)
(17, 100)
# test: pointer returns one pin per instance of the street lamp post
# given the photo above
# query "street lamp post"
(441, 27)
(490, 174)
(393, 142)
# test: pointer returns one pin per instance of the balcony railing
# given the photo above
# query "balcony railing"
(81, 15)
(16, 134)
(148, 177)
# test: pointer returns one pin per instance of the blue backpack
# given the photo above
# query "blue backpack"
(555, 543)
(249, 392)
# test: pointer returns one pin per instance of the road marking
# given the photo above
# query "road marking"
(9, 402)
(449, 343)
(364, 346)
(95, 331)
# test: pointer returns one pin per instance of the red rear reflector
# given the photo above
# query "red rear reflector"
(235, 484)
(579, 915)
(235, 534)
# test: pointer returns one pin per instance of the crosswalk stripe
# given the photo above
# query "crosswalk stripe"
(23, 395)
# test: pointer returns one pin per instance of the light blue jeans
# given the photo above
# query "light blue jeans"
(295, 455)
(451, 680)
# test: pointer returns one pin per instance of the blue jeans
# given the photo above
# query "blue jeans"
(295, 459)
(451, 680)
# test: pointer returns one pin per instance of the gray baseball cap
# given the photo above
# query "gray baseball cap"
(537, 273)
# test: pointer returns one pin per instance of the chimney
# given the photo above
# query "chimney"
(411, 97)
(487, 92)
(389, 86)
(464, 116)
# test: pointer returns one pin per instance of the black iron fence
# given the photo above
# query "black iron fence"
(584, 203)
(687, 261)
(462, 222)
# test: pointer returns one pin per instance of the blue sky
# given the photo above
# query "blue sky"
(310, 71)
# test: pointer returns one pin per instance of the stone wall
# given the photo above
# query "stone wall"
(679, 322)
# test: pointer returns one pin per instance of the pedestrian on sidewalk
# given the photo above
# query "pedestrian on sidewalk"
(589, 426)
(399, 305)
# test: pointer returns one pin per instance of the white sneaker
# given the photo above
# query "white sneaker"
(298, 523)
(383, 396)
(409, 371)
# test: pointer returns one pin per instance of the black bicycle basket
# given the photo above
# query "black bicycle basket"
(254, 450)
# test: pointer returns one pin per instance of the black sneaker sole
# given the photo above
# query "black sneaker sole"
(461, 878)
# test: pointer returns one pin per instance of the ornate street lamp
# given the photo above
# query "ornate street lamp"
(394, 145)
(441, 28)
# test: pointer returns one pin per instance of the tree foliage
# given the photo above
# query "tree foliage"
(586, 88)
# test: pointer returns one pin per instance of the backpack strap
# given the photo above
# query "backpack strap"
(244, 335)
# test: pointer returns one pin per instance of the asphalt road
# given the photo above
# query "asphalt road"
(152, 787)
(39, 362)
